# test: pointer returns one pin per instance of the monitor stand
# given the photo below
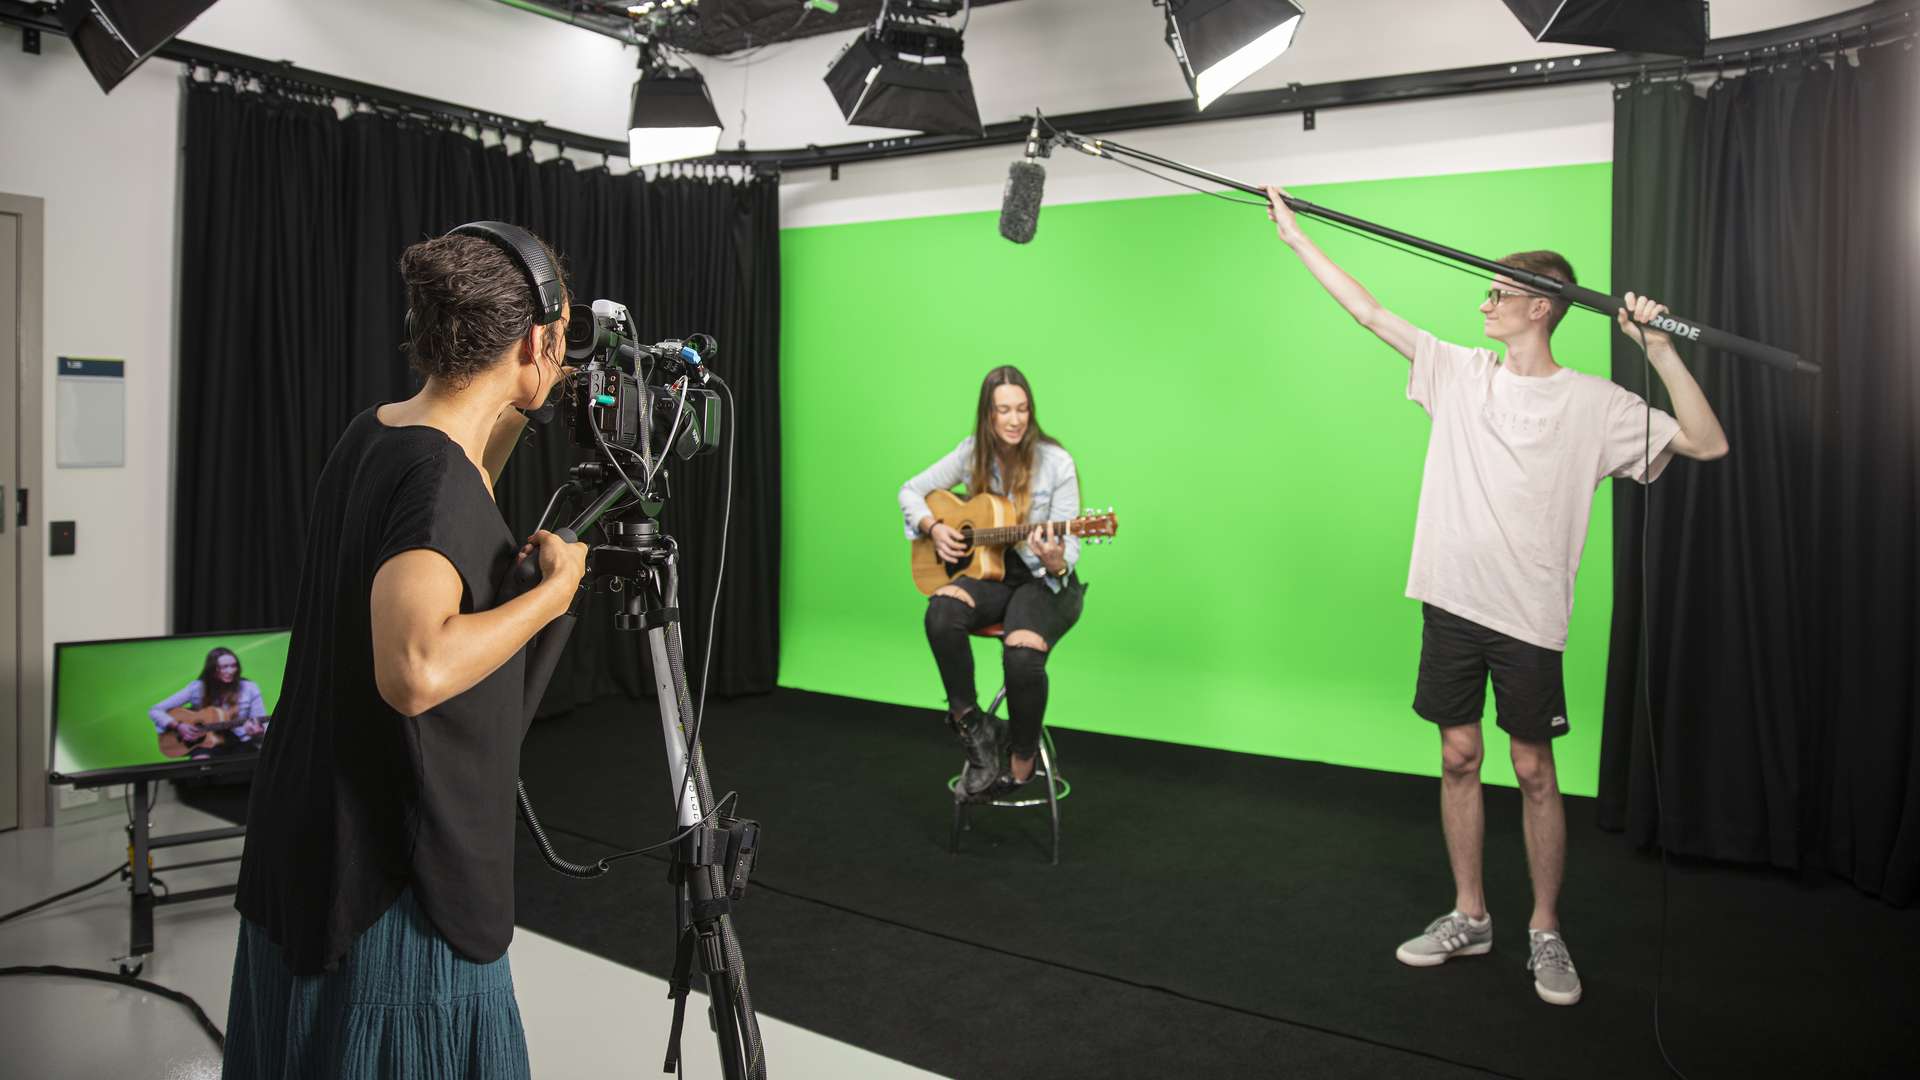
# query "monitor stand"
(140, 848)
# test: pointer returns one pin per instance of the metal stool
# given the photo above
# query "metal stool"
(1046, 769)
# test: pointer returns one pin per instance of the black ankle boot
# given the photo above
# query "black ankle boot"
(981, 737)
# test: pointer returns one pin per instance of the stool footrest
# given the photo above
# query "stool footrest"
(1053, 789)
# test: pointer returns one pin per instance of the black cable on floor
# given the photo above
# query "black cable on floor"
(38, 904)
(199, 1014)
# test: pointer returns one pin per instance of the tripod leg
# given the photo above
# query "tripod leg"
(679, 758)
(733, 1021)
(721, 1014)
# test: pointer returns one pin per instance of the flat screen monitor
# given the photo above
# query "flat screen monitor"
(142, 707)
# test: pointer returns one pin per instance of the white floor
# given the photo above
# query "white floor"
(585, 1017)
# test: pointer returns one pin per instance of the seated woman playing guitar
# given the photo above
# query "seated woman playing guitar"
(1037, 601)
(218, 712)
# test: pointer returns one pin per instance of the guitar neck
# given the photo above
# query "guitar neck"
(1014, 534)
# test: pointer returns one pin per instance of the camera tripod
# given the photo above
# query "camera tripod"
(711, 855)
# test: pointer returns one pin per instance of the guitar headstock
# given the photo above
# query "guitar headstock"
(1096, 526)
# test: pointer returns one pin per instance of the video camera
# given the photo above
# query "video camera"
(644, 400)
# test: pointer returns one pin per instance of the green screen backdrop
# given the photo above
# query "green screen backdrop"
(1256, 444)
(103, 689)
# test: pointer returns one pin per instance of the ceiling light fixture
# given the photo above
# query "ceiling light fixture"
(1219, 43)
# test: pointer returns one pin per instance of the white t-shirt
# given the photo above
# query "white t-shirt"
(1512, 466)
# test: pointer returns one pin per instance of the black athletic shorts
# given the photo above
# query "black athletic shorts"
(1456, 656)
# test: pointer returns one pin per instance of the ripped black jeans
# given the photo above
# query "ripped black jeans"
(1022, 602)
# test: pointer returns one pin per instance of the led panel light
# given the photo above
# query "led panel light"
(1220, 43)
(672, 117)
(1673, 27)
(909, 76)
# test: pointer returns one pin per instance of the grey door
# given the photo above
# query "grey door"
(10, 541)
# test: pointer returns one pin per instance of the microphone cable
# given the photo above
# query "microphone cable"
(1646, 682)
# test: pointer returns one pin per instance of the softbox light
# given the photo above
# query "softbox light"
(1219, 43)
(909, 76)
(115, 36)
(672, 117)
(1672, 27)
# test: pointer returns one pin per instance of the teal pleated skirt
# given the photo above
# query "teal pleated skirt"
(403, 1004)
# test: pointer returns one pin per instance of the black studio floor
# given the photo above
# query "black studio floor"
(1214, 914)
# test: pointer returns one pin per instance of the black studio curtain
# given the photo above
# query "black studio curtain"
(291, 320)
(1783, 582)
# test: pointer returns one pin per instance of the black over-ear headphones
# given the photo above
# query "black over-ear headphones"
(548, 293)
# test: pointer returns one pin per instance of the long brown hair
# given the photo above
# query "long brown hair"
(212, 691)
(1016, 464)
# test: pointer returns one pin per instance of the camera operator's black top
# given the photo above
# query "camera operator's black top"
(353, 802)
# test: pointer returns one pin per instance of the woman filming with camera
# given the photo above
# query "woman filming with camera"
(376, 889)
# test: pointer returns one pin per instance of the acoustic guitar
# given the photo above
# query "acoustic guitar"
(213, 721)
(988, 522)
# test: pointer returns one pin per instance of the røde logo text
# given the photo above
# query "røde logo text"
(1674, 326)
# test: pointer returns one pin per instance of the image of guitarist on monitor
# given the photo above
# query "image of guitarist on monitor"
(216, 714)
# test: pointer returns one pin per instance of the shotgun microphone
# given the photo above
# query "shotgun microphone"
(1020, 200)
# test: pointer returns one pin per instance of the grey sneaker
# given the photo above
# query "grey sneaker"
(1450, 935)
(1553, 976)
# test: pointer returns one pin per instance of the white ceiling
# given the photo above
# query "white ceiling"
(1059, 55)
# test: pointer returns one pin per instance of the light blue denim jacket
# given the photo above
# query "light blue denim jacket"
(1056, 496)
(249, 706)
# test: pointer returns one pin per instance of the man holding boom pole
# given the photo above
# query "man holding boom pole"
(1519, 445)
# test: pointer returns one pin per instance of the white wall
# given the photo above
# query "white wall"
(476, 53)
(105, 167)
(1523, 129)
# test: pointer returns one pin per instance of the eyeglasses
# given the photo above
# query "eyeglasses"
(1497, 294)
